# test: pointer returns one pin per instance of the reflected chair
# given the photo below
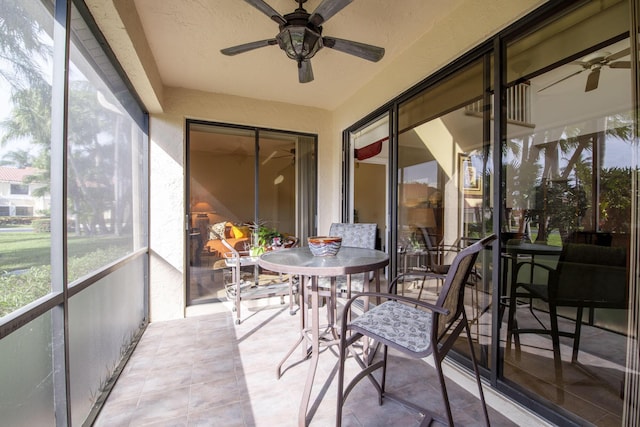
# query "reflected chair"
(437, 267)
(415, 328)
(587, 276)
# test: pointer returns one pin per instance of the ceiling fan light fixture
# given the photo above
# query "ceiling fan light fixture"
(299, 42)
(300, 36)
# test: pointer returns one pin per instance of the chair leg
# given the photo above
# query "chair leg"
(557, 357)
(443, 387)
(340, 400)
(472, 352)
(384, 374)
(576, 335)
(367, 369)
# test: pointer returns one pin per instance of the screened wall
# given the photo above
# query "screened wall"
(73, 239)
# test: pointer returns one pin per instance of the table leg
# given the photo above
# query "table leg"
(304, 311)
(315, 352)
(303, 324)
(237, 279)
(332, 305)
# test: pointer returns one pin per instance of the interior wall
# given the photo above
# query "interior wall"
(369, 194)
(206, 172)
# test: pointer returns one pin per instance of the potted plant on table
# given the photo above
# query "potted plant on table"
(263, 238)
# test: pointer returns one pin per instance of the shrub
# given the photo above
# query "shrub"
(41, 225)
(15, 220)
(18, 289)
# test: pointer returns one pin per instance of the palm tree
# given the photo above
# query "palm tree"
(18, 158)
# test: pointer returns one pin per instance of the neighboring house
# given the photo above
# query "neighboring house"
(16, 195)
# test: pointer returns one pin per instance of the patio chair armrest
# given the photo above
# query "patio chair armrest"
(347, 307)
(394, 297)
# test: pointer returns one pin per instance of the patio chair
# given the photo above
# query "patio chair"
(415, 328)
(357, 235)
(587, 276)
(436, 266)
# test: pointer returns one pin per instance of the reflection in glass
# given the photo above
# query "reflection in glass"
(567, 208)
(277, 184)
(443, 200)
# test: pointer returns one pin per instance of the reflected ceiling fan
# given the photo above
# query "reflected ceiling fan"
(594, 65)
(301, 37)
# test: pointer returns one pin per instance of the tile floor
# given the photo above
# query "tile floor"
(206, 371)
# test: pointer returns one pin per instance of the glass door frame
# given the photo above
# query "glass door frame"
(496, 46)
(347, 187)
(304, 226)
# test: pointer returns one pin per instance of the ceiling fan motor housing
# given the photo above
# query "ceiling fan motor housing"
(298, 37)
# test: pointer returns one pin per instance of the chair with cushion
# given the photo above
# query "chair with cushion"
(413, 327)
(357, 235)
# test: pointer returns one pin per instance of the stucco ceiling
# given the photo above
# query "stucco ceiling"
(185, 38)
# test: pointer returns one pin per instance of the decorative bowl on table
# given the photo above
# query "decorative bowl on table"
(324, 245)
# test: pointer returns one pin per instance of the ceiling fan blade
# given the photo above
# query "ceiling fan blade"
(620, 64)
(267, 10)
(362, 50)
(305, 72)
(234, 50)
(326, 10)
(592, 80)
(621, 54)
(561, 80)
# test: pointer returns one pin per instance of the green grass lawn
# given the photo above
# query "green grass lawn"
(22, 250)
(29, 253)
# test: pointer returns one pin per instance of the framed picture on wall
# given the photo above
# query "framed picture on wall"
(470, 178)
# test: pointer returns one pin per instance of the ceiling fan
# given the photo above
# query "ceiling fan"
(301, 37)
(594, 65)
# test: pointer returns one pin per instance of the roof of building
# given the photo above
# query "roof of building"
(13, 174)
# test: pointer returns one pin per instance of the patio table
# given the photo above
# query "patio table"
(300, 261)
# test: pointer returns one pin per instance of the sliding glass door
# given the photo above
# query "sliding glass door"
(567, 203)
(536, 142)
(444, 174)
(240, 176)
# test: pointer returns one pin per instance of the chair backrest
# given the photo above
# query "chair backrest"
(360, 235)
(452, 295)
(590, 276)
(434, 257)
